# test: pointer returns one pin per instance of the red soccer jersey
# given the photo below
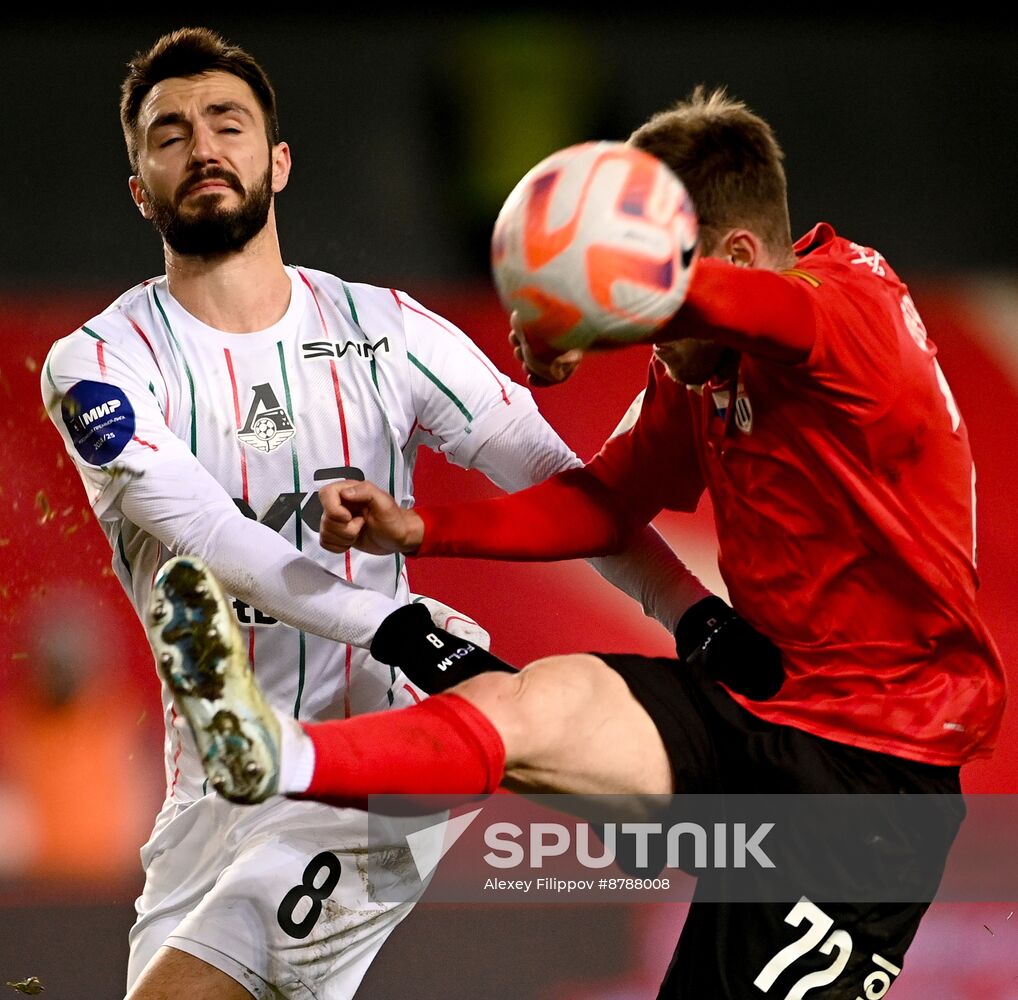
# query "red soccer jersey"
(843, 492)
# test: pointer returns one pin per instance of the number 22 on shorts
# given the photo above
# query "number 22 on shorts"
(837, 943)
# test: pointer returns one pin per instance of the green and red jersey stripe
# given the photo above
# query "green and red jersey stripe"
(244, 487)
(187, 370)
(298, 529)
(100, 350)
(344, 437)
(485, 363)
(141, 333)
(236, 414)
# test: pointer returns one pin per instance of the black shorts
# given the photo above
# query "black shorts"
(819, 950)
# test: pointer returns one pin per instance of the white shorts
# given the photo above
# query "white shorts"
(247, 889)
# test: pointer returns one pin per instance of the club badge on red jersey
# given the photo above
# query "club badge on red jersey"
(741, 415)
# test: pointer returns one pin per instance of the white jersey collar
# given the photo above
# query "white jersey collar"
(181, 319)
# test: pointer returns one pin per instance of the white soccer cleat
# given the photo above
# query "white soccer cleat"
(200, 655)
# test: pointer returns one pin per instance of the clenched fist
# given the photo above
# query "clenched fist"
(359, 515)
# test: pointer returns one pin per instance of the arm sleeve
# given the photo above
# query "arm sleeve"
(460, 397)
(582, 511)
(764, 313)
(108, 405)
(568, 516)
(133, 466)
(594, 510)
(183, 506)
(650, 571)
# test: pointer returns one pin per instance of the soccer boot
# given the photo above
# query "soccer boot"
(201, 657)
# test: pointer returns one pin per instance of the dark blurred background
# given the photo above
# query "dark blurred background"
(407, 133)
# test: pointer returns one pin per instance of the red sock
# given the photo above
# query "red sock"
(444, 745)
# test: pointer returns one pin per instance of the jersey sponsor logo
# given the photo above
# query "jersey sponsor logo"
(99, 419)
(329, 349)
(306, 505)
(268, 425)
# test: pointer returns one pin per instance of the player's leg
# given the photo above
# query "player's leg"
(180, 870)
(175, 878)
(571, 724)
(173, 974)
(563, 724)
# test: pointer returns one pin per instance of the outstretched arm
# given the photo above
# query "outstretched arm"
(582, 511)
(568, 516)
(760, 312)
(181, 504)
(753, 310)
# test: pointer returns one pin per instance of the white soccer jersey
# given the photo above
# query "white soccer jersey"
(193, 441)
(348, 384)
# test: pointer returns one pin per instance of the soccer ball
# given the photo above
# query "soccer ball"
(596, 243)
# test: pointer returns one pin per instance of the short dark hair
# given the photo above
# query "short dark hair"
(729, 161)
(190, 52)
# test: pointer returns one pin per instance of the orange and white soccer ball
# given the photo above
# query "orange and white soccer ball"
(596, 243)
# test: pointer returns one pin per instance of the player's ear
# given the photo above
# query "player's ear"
(280, 166)
(140, 196)
(742, 248)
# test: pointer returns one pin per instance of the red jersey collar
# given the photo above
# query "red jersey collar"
(820, 234)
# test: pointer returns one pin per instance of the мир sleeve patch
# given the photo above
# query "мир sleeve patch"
(99, 419)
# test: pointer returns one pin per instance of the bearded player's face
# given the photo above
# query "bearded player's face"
(206, 170)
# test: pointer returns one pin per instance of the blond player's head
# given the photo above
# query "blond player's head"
(731, 164)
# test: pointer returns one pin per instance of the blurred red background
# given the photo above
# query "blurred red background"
(80, 754)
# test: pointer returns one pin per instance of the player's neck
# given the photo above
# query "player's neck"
(241, 292)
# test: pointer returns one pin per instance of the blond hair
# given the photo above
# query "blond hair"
(730, 162)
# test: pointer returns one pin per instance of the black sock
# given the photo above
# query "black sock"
(431, 657)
